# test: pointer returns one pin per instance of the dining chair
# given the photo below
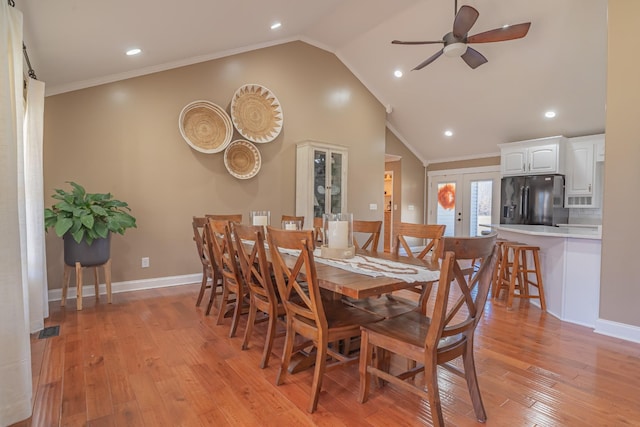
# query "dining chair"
(387, 305)
(319, 320)
(257, 275)
(223, 252)
(293, 218)
(429, 233)
(210, 275)
(318, 232)
(371, 229)
(228, 217)
(439, 332)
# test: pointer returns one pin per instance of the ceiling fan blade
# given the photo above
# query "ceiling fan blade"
(473, 58)
(416, 42)
(501, 34)
(465, 18)
(428, 61)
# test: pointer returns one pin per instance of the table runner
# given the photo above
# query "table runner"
(376, 267)
(372, 266)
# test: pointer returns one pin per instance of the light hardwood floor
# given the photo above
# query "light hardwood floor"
(153, 359)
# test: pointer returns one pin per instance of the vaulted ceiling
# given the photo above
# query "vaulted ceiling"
(560, 65)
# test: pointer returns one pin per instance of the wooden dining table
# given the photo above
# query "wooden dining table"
(360, 285)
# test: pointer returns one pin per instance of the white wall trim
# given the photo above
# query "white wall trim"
(128, 286)
(618, 330)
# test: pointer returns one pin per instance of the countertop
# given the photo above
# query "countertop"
(575, 232)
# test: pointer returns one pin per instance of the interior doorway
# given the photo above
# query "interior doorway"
(388, 210)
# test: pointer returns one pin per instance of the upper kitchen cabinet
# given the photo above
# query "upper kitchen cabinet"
(581, 184)
(533, 157)
(321, 179)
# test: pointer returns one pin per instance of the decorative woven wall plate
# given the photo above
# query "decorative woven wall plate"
(256, 113)
(242, 159)
(205, 126)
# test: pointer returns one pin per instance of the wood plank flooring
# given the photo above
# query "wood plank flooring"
(153, 359)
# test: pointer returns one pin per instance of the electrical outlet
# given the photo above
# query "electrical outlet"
(145, 262)
(373, 207)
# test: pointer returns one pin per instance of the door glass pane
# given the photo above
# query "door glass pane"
(319, 180)
(336, 182)
(445, 214)
(481, 201)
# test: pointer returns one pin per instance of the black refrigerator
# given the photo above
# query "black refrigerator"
(533, 199)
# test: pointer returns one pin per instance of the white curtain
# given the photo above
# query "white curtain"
(34, 206)
(15, 356)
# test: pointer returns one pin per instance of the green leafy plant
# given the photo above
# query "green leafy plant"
(87, 216)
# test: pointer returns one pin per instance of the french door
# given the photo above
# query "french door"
(464, 200)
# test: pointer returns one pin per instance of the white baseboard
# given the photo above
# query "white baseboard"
(618, 330)
(128, 286)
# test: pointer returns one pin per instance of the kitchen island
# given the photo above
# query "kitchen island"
(570, 264)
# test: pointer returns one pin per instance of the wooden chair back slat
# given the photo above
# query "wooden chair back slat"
(226, 217)
(294, 218)
(371, 229)
(223, 252)
(301, 299)
(430, 233)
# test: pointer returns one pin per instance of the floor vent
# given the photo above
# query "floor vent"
(49, 331)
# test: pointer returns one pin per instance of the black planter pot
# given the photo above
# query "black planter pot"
(98, 252)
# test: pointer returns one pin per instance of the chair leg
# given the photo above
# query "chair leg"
(366, 356)
(78, 286)
(472, 382)
(250, 321)
(237, 312)
(433, 392)
(536, 262)
(214, 289)
(514, 276)
(318, 373)
(286, 353)
(203, 286)
(223, 305)
(268, 344)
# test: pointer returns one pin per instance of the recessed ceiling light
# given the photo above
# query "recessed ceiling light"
(397, 73)
(276, 25)
(448, 133)
(550, 114)
(505, 26)
(132, 52)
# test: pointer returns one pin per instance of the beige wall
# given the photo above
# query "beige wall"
(461, 164)
(620, 287)
(123, 138)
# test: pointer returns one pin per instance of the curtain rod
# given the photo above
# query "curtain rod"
(30, 70)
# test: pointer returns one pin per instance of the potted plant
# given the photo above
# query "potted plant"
(85, 221)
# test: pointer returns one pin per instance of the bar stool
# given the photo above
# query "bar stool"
(515, 259)
(106, 267)
(502, 270)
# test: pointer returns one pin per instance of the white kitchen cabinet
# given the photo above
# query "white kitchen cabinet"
(533, 157)
(321, 179)
(581, 190)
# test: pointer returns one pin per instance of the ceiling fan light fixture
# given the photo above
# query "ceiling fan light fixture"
(455, 49)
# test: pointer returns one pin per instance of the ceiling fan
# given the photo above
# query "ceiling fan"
(456, 42)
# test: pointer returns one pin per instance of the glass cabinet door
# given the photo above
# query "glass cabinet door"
(336, 183)
(319, 183)
(321, 179)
